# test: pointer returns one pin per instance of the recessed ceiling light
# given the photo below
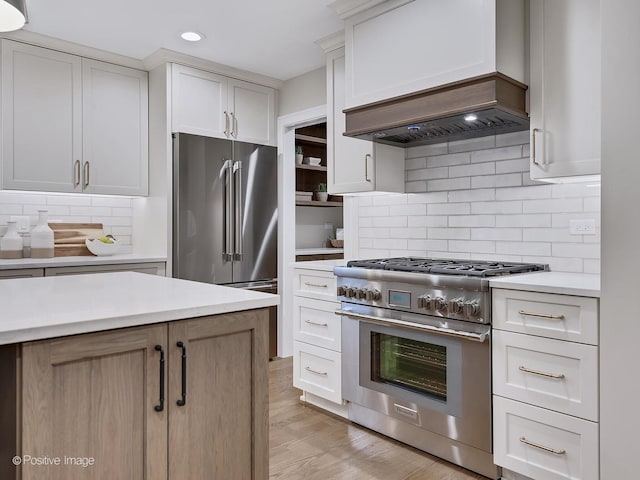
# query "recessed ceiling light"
(470, 118)
(192, 36)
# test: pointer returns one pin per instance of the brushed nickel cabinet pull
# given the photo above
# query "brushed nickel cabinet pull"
(309, 284)
(86, 174)
(542, 374)
(541, 315)
(316, 323)
(533, 146)
(226, 123)
(76, 173)
(234, 125)
(366, 167)
(542, 447)
(322, 374)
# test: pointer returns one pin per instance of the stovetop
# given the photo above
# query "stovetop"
(442, 266)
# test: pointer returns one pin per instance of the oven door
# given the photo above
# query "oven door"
(427, 371)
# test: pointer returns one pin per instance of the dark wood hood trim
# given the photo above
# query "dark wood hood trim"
(493, 90)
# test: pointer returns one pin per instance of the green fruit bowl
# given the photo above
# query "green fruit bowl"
(100, 248)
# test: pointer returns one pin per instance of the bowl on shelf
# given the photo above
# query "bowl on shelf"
(312, 161)
(335, 243)
(100, 248)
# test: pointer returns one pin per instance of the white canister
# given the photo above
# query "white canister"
(42, 238)
(11, 243)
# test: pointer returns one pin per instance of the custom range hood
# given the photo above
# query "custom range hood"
(485, 105)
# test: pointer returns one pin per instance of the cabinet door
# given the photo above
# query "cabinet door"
(355, 165)
(22, 273)
(199, 102)
(93, 396)
(115, 129)
(150, 268)
(565, 88)
(252, 111)
(41, 118)
(221, 431)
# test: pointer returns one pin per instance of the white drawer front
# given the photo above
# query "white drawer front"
(564, 317)
(542, 444)
(318, 371)
(315, 284)
(315, 322)
(554, 374)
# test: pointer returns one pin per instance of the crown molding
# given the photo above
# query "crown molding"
(164, 56)
(32, 38)
(348, 8)
(331, 42)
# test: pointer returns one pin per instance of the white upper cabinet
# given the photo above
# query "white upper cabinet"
(41, 119)
(403, 46)
(355, 165)
(70, 124)
(213, 105)
(564, 90)
(115, 133)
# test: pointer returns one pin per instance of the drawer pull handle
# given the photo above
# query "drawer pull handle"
(541, 315)
(316, 323)
(322, 374)
(319, 285)
(542, 374)
(542, 447)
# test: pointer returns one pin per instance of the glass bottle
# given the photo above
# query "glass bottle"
(11, 243)
(42, 238)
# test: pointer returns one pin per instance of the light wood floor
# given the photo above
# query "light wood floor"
(306, 443)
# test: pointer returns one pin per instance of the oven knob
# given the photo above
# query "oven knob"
(351, 292)
(372, 294)
(424, 301)
(439, 303)
(471, 309)
(361, 294)
(341, 291)
(456, 305)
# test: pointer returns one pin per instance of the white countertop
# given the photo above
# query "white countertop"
(318, 251)
(324, 265)
(45, 307)
(581, 284)
(78, 261)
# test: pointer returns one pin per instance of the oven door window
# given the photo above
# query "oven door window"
(419, 367)
(424, 369)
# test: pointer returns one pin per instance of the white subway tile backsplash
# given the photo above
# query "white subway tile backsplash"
(10, 209)
(113, 221)
(496, 207)
(55, 211)
(69, 200)
(365, 200)
(449, 160)
(493, 154)
(111, 201)
(474, 169)
(475, 199)
(472, 221)
(462, 183)
(94, 211)
(449, 209)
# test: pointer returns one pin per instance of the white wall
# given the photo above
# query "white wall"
(619, 313)
(303, 92)
(473, 199)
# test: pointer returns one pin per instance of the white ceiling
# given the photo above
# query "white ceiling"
(270, 37)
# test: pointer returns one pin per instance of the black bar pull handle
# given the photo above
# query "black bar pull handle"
(160, 406)
(182, 402)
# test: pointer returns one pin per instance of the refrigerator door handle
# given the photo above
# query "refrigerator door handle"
(237, 173)
(226, 171)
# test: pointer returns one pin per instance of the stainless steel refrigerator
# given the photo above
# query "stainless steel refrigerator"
(225, 212)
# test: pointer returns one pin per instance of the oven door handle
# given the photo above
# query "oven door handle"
(475, 337)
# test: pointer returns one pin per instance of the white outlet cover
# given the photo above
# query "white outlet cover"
(582, 227)
(22, 223)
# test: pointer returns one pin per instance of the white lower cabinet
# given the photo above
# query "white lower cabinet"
(545, 387)
(317, 346)
(542, 444)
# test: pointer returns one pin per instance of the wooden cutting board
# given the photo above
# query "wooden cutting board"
(69, 238)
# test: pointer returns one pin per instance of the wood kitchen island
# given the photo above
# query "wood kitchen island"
(132, 376)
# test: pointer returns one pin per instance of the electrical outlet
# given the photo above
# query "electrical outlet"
(582, 227)
(22, 223)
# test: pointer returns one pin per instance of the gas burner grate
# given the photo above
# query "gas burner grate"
(440, 266)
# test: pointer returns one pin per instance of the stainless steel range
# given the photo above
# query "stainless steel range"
(416, 352)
